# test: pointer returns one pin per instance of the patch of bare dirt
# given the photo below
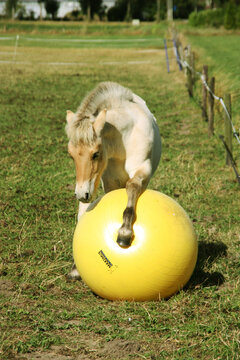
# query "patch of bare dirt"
(117, 348)
(6, 287)
(90, 349)
(51, 355)
(97, 348)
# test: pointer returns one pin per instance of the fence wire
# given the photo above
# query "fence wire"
(185, 64)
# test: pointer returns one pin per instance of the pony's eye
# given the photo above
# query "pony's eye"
(95, 155)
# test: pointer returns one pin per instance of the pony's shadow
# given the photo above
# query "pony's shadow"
(208, 253)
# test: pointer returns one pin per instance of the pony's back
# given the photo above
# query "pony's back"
(107, 95)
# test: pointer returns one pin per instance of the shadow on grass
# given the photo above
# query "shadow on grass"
(208, 253)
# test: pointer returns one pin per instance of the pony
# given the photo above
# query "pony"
(113, 138)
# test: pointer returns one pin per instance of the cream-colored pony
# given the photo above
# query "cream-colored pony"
(113, 137)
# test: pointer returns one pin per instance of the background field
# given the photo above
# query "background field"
(43, 315)
(82, 28)
(221, 53)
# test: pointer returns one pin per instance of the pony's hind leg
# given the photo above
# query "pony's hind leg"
(74, 274)
(135, 186)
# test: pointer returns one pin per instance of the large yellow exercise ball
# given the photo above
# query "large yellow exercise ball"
(160, 259)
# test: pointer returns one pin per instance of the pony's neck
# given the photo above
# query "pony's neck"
(112, 142)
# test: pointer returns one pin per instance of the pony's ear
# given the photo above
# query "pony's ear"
(69, 116)
(100, 122)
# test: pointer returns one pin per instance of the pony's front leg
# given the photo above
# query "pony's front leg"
(135, 186)
(74, 274)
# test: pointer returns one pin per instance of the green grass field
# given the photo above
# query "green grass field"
(219, 49)
(82, 35)
(45, 316)
(79, 42)
(81, 28)
(222, 54)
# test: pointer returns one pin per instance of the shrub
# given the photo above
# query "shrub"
(207, 18)
(139, 9)
(230, 16)
(75, 15)
(52, 7)
(182, 8)
(238, 17)
(118, 11)
(193, 19)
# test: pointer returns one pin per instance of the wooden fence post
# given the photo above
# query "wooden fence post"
(204, 93)
(228, 127)
(185, 56)
(189, 77)
(192, 63)
(211, 107)
(180, 52)
(166, 54)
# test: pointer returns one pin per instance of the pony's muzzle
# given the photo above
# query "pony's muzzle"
(85, 190)
(83, 198)
(87, 196)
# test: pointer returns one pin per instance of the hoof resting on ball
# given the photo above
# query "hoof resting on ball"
(124, 237)
(124, 241)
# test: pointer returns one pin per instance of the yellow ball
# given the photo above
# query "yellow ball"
(159, 261)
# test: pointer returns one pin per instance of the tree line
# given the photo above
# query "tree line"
(126, 10)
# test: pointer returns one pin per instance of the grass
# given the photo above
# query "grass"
(51, 41)
(220, 50)
(223, 53)
(45, 315)
(81, 35)
(81, 28)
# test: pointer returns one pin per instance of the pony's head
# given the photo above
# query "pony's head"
(86, 148)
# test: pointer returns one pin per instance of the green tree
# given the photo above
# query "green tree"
(222, 3)
(51, 7)
(133, 9)
(91, 7)
(158, 16)
(170, 10)
(128, 16)
(230, 15)
(238, 17)
(11, 7)
(118, 11)
(183, 8)
(40, 4)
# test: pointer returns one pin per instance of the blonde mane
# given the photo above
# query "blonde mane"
(106, 95)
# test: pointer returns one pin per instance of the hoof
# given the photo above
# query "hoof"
(124, 238)
(124, 242)
(74, 274)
